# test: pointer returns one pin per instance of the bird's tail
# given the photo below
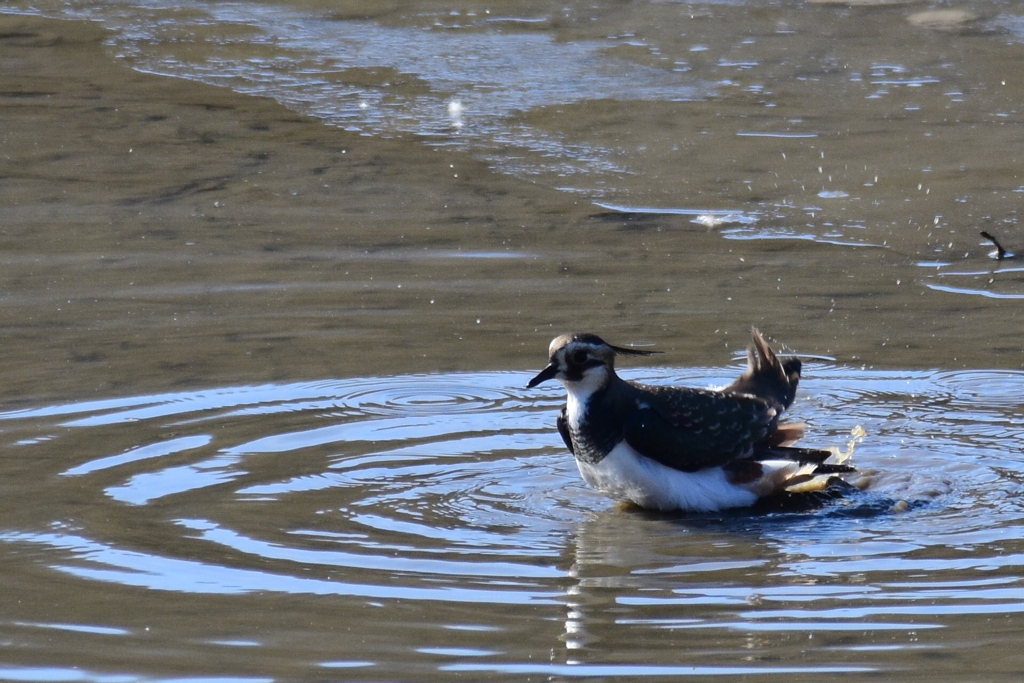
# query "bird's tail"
(819, 467)
(779, 468)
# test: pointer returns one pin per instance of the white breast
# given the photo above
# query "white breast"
(624, 474)
(579, 393)
(574, 410)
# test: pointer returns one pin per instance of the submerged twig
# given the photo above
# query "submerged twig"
(1001, 253)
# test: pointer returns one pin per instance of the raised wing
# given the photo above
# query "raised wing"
(766, 377)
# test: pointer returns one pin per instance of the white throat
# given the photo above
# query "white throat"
(579, 393)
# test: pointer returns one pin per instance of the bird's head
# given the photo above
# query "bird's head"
(582, 362)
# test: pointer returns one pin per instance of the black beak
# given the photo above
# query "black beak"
(544, 375)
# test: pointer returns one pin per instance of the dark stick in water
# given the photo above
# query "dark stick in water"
(1000, 252)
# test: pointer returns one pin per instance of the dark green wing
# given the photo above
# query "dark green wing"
(692, 429)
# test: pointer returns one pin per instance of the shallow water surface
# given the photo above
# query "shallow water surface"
(420, 197)
(424, 526)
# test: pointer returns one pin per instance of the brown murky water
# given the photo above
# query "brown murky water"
(262, 409)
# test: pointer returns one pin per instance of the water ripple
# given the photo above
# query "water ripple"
(456, 490)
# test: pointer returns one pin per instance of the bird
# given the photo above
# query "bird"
(679, 448)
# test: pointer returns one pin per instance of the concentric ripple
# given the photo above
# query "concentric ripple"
(455, 490)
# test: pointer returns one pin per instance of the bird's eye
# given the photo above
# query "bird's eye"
(579, 357)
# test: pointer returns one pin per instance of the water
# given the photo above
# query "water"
(621, 104)
(427, 525)
(263, 414)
